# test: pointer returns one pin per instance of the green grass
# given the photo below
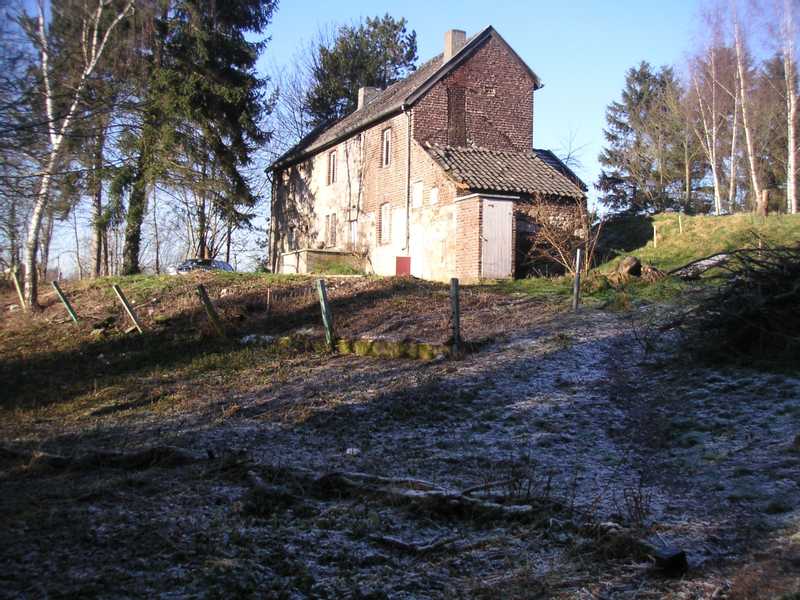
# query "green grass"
(633, 236)
(142, 287)
(702, 236)
(339, 268)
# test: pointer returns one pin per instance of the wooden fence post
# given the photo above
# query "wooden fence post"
(15, 277)
(655, 236)
(128, 308)
(455, 307)
(327, 315)
(212, 314)
(576, 285)
(680, 224)
(63, 297)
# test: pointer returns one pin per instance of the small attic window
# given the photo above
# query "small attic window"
(490, 91)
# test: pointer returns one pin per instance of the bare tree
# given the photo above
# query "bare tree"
(743, 90)
(788, 33)
(705, 77)
(95, 33)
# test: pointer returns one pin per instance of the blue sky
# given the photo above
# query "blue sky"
(580, 49)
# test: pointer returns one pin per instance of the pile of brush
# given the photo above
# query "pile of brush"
(755, 313)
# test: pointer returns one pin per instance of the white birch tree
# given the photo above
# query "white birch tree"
(743, 90)
(98, 25)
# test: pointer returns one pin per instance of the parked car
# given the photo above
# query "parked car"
(197, 264)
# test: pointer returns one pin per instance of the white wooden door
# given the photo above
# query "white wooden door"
(496, 243)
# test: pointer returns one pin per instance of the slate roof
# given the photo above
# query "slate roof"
(482, 170)
(390, 101)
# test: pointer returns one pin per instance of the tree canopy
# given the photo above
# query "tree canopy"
(374, 53)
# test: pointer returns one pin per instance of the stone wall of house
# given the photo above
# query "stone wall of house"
(304, 198)
(487, 102)
(363, 185)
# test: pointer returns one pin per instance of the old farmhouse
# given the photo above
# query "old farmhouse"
(431, 177)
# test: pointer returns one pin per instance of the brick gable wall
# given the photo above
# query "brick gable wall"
(497, 96)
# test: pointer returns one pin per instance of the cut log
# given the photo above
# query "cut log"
(630, 266)
(651, 274)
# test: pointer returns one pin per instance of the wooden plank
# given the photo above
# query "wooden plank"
(128, 308)
(327, 315)
(15, 277)
(210, 311)
(63, 297)
(576, 286)
(455, 308)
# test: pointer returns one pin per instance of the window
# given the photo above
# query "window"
(330, 230)
(385, 224)
(332, 167)
(416, 194)
(434, 195)
(386, 147)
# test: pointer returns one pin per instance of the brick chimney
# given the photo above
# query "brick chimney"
(366, 95)
(454, 40)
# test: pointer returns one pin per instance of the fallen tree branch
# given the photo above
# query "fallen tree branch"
(695, 268)
(412, 547)
(420, 495)
(486, 486)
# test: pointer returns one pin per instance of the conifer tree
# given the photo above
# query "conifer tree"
(375, 53)
(201, 102)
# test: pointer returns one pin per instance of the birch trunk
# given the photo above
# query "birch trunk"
(791, 130)
(748, 134)
(790, 77)
(687, 173)
(93, 46)
(734, 135)
(708, 136)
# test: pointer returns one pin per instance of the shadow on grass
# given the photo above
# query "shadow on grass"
(623, 234)
(183, 341)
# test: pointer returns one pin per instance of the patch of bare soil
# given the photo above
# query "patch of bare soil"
(553, 463)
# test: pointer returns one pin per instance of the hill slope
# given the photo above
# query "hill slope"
(702, 236)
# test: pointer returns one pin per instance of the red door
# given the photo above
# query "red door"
(402, 266)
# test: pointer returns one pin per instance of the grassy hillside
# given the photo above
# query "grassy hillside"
(702, 236)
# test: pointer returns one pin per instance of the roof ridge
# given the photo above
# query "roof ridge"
(392, 100)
